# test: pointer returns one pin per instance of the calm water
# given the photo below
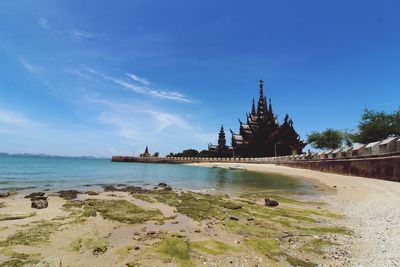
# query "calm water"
(38, 173)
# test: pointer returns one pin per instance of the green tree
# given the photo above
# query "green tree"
(375, 126)
(156, 154)
(185, 153)
(328, 139)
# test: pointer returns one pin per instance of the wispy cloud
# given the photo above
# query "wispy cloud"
(9, 118)
(43, 23)
(79, 34)
(142, 86)
(141, 124)
(138, 79)
(123, 114)
(30, 67)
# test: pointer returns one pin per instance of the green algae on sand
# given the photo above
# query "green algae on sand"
(176, 249)
(213, 247)
(32, 236)
(10, 217)
(117, 210)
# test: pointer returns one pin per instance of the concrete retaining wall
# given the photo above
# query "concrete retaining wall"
(379, 167)
(385, 168)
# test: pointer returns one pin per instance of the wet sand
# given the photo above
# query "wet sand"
(371, 206)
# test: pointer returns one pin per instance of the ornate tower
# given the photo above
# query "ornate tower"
(146, 153)
(262, 103)
(221, 138)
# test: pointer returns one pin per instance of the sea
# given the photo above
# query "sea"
(34, 173)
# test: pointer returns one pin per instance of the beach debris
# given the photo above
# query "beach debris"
(150, 235)
(35, 194)
(197, 231)
(39, 202)
(270, 202)
(68, 194)
(232, 206)
(2, 205)
(52, 261)
(240, 168)
(99, 250)
(7, 194)
(134, 263)
(91, 193)
(97, 245)
(233, 218)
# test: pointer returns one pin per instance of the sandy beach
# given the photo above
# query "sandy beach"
(122, 225)
(371, 207)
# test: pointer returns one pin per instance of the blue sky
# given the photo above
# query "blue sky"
(108, 77)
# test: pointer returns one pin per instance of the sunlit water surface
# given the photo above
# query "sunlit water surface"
(30, 173)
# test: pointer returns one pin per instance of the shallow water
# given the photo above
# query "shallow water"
(55, 173)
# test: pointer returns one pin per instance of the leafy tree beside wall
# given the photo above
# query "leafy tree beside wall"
(376, 126)
(328, 139)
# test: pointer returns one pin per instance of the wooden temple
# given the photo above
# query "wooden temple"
(261, 135)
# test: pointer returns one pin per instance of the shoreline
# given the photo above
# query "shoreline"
(371, 207)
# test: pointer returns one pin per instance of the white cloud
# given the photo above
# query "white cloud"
(138, 79)
(16, 120)
(79, 35)
(144, 88)
(30, 67)
(166, 120)
(140, 124)
(43, 23)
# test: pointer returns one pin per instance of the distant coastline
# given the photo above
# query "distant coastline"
(5, 154)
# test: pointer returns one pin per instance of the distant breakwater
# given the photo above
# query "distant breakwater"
(385, 167)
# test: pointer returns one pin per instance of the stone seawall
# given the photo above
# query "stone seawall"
(385, 168)
(379, 167)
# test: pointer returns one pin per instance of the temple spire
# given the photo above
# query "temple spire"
(270, 106)
(146, 152)
(262, 104)
(221, 137)
(253, 108)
